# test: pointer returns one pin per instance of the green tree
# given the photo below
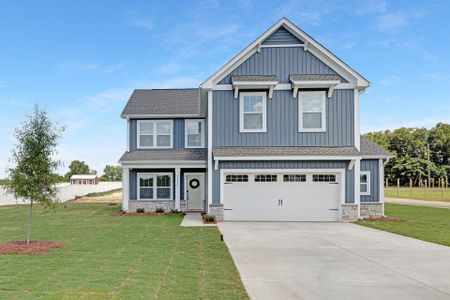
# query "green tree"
(112, 173)
(33, 178)
(78, 167)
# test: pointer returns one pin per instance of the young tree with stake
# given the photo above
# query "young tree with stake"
(33, 176)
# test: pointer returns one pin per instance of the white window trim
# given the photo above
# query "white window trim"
(264, 111)
(155, 146)
(367, 173)
(300, 112)
(155, 187)
(202, 134)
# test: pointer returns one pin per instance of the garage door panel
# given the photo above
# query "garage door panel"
(281, 200)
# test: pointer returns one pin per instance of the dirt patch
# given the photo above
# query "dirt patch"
(149, 213)
(384, 219)
(34, 247)
(115, 197)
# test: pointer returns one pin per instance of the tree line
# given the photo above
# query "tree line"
(418, 153)
(78, 167)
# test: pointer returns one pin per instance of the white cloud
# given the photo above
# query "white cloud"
(391, 80)
(391, 22)
(143, 23)
(83, 66)
(392, 123)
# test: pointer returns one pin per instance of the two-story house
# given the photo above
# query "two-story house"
(273, 135)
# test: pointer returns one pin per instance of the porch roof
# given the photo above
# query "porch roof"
(164, 155)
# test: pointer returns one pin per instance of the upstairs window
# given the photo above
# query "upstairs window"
(311, 107)
(154, 134)
(364, 183)
(252, 112)
(194, 133)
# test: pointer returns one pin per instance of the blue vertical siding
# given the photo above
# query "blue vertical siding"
(281, 37)
(349, 174)
(281, 62)
(372, 166)
(282, 122)
(178, 134)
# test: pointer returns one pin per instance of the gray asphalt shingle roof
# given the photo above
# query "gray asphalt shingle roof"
(313, 77)
(285, 151)
(238, 78)
(370, 148)
(169, 154)
(161, 102)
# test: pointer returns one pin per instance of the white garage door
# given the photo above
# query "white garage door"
(268, 196)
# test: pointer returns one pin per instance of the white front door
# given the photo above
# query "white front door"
(282, 196)
(195, 190)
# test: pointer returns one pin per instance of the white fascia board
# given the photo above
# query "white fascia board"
(313, 46)
(325, 54)
(356, 113)
(282, 87)
(240, 57)
(263, 158)
(375, 157)
(163, 164)
(161, 116)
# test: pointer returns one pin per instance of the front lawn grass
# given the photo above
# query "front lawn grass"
(115, 257)
(420, 222)
(418, 193)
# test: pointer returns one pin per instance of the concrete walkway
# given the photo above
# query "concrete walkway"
(193, 220)
(438, 204)
(298, 260)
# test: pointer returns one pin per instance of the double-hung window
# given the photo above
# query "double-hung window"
(252, 112)
(365, 182)
(312, 110)
(194, 133)
(154, 133)
(153, 186)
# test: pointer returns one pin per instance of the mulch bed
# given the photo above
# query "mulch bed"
(384, 219)
(148, 213)
(34, 247)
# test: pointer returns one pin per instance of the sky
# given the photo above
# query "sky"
(80, 60)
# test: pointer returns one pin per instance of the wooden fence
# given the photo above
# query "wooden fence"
(424, 189)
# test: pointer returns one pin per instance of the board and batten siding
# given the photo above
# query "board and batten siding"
(349, 174)
(282, 122)
(281, 37)
(281, 62)
(372, 166)
(178, 134)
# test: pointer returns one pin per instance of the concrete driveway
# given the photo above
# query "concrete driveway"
(335, 261)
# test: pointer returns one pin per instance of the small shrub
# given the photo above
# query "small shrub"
(140, 210)
(159, 209)
(210, 218)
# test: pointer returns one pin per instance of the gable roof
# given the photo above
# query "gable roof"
(163, 103)
(371, 149)
(311, 45)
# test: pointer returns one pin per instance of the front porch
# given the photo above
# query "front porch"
(176, 187)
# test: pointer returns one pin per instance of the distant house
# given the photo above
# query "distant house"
(84, 179)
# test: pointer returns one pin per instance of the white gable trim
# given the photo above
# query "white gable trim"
(310, 44)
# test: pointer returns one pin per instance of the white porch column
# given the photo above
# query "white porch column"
(177, 189)
(210, 141)
(125, 188)
(357, 173)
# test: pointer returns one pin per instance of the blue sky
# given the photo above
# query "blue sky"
(80, 60)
